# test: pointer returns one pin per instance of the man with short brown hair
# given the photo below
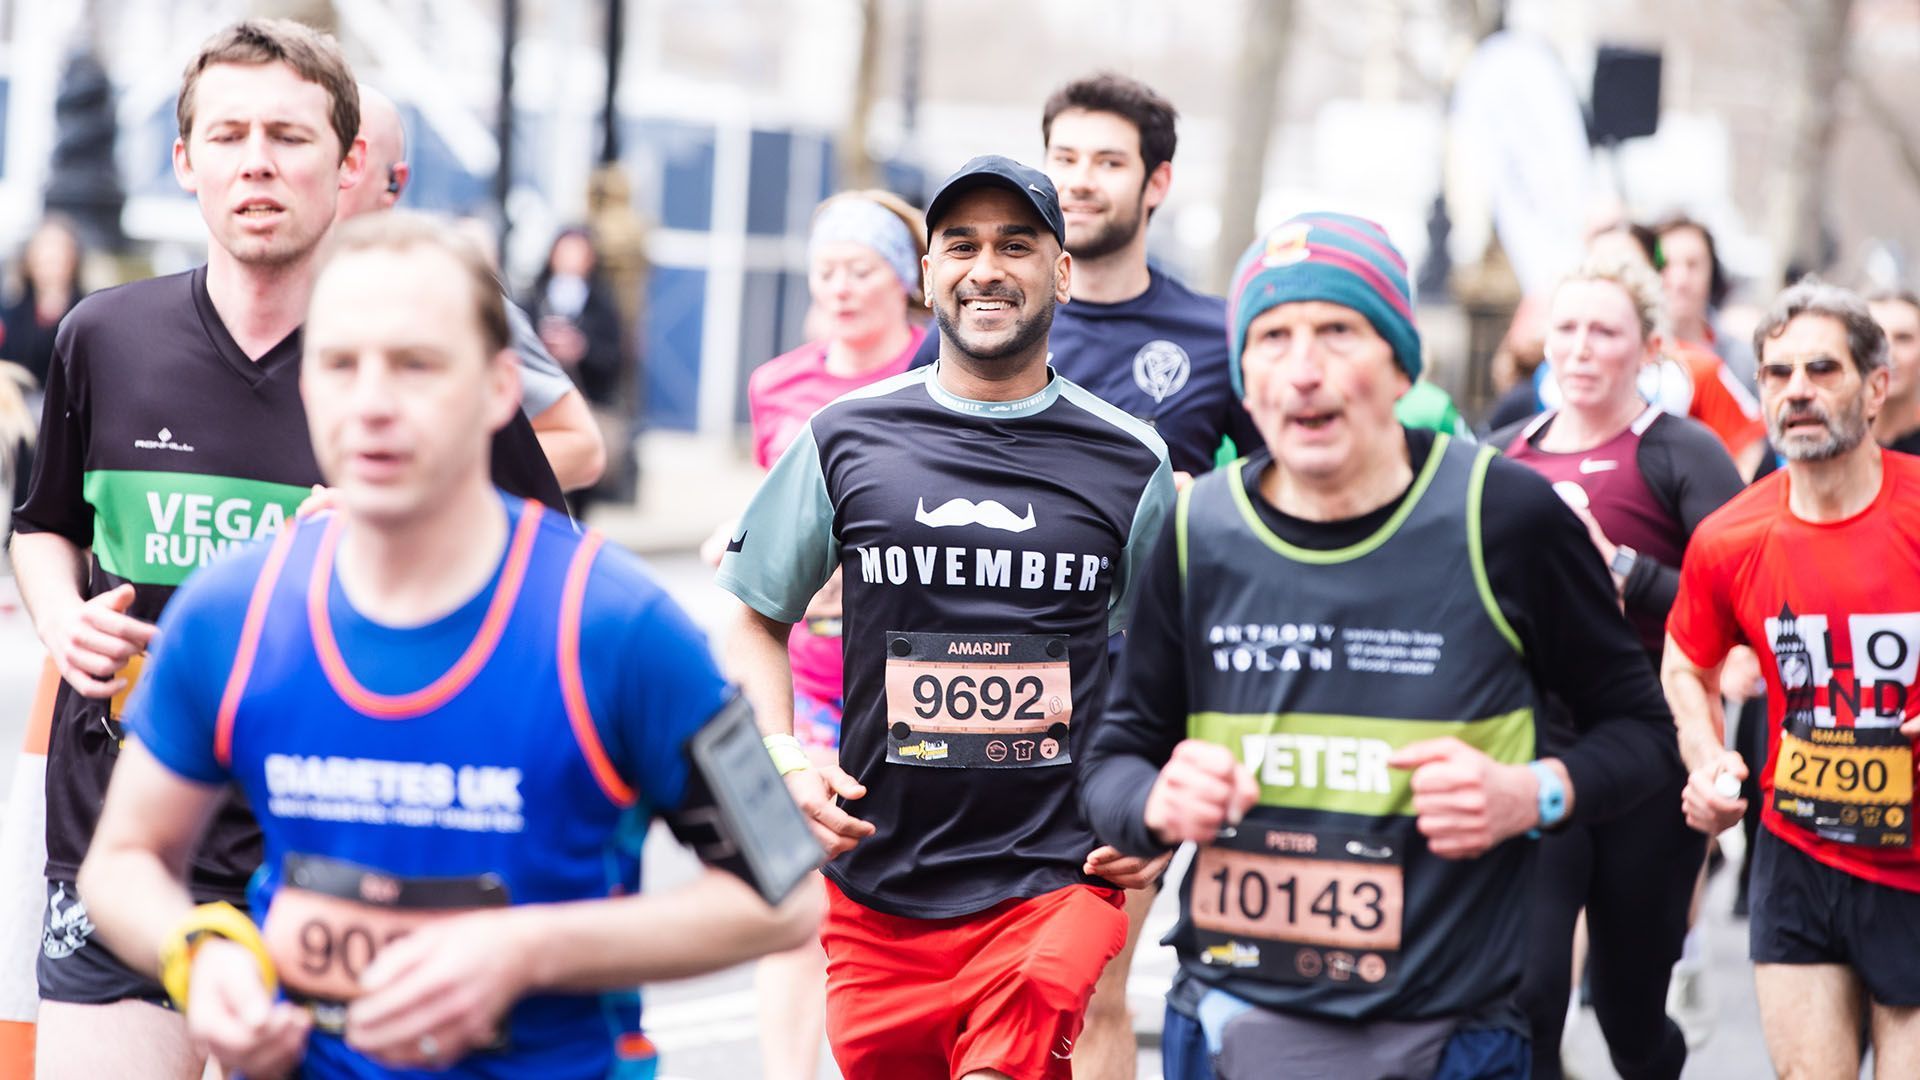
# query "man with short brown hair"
(172, 431)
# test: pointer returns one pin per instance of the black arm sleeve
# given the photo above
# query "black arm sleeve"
(1689, 470)
(1146, 714)
(54, 499)
(1550, 584)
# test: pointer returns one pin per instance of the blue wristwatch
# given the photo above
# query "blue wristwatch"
(1553, 794)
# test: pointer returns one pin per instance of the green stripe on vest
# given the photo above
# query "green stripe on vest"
(154, 528)
(1315, 761)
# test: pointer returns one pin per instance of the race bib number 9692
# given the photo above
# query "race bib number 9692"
(993, 701)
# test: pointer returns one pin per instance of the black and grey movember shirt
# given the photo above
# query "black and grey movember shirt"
(988, 551)
(162, 445)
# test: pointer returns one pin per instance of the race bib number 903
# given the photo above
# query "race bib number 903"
(330, 919)
(980, 701)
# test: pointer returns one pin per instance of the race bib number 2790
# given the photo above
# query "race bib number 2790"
(1848, 785)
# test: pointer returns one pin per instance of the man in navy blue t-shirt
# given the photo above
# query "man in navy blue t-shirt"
(1133, 334)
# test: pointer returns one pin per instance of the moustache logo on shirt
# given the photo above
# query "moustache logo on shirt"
(986, 512)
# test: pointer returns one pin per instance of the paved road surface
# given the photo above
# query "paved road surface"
(704, 1027)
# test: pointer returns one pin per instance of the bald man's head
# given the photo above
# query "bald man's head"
(387, 169)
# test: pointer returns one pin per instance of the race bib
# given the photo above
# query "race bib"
(330, 919)
(1847, 785)
(1300, 907)
(978, 701)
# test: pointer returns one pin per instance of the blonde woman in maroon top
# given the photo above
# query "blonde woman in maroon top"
(1640, 479)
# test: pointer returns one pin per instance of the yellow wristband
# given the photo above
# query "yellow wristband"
(787, 754)
(219, 920)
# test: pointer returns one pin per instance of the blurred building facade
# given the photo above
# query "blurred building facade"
(732, 114)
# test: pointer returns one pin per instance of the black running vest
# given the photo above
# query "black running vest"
(1314, 667)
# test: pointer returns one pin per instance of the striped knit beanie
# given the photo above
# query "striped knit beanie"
(1337, 258)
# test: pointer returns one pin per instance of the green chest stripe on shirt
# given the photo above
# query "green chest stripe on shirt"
(1316, 761)
(154, 528)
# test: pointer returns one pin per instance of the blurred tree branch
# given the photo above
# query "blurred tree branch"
(1887, 118)
(1797, 202)
(857, 168)
(1258, 74)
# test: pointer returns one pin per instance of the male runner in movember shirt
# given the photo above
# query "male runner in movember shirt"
(161, 445)
(896, 484)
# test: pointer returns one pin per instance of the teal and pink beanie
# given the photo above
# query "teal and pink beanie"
(1337, 258)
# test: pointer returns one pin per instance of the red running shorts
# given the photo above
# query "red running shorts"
(934, 999)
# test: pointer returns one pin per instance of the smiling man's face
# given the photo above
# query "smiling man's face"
(994, 273)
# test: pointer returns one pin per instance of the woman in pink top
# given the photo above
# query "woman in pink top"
(863, 273)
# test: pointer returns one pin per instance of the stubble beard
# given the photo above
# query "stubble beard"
(1845, 431)
(1026, 333)
(1112, 236)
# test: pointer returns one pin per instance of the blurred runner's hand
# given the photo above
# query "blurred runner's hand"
(814, 789)
(95, 639)
(232, 1016)
(1201, 789)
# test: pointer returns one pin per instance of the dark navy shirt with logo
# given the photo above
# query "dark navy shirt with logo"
(1161, 357)
(1000, 535)
(161, 446)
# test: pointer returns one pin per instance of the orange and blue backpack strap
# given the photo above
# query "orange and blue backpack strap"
(573, 690)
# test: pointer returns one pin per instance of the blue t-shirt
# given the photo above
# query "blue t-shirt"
(1161, 357)
(463, 749)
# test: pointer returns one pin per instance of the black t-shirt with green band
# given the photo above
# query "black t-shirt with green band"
(161, 445)
(987, 552)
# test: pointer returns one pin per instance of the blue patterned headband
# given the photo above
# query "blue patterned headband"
(871, 225)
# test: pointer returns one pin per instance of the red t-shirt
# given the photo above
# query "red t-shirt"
(1833, 609)
(1728, 408)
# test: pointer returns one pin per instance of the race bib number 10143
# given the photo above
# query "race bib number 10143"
(1300, 907)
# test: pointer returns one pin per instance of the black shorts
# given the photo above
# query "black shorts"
(74, 967)
(1803, 911)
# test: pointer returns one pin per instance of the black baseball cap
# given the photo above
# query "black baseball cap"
(1007, 173)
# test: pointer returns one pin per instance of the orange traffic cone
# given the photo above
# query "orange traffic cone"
(23, 893)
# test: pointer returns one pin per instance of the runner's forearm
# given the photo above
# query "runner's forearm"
(571, 441)
(1697, 715)
(713, 922)
(134, 898)
(1146, 712)
(134, 877)
(755, 658)
(52, 576)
